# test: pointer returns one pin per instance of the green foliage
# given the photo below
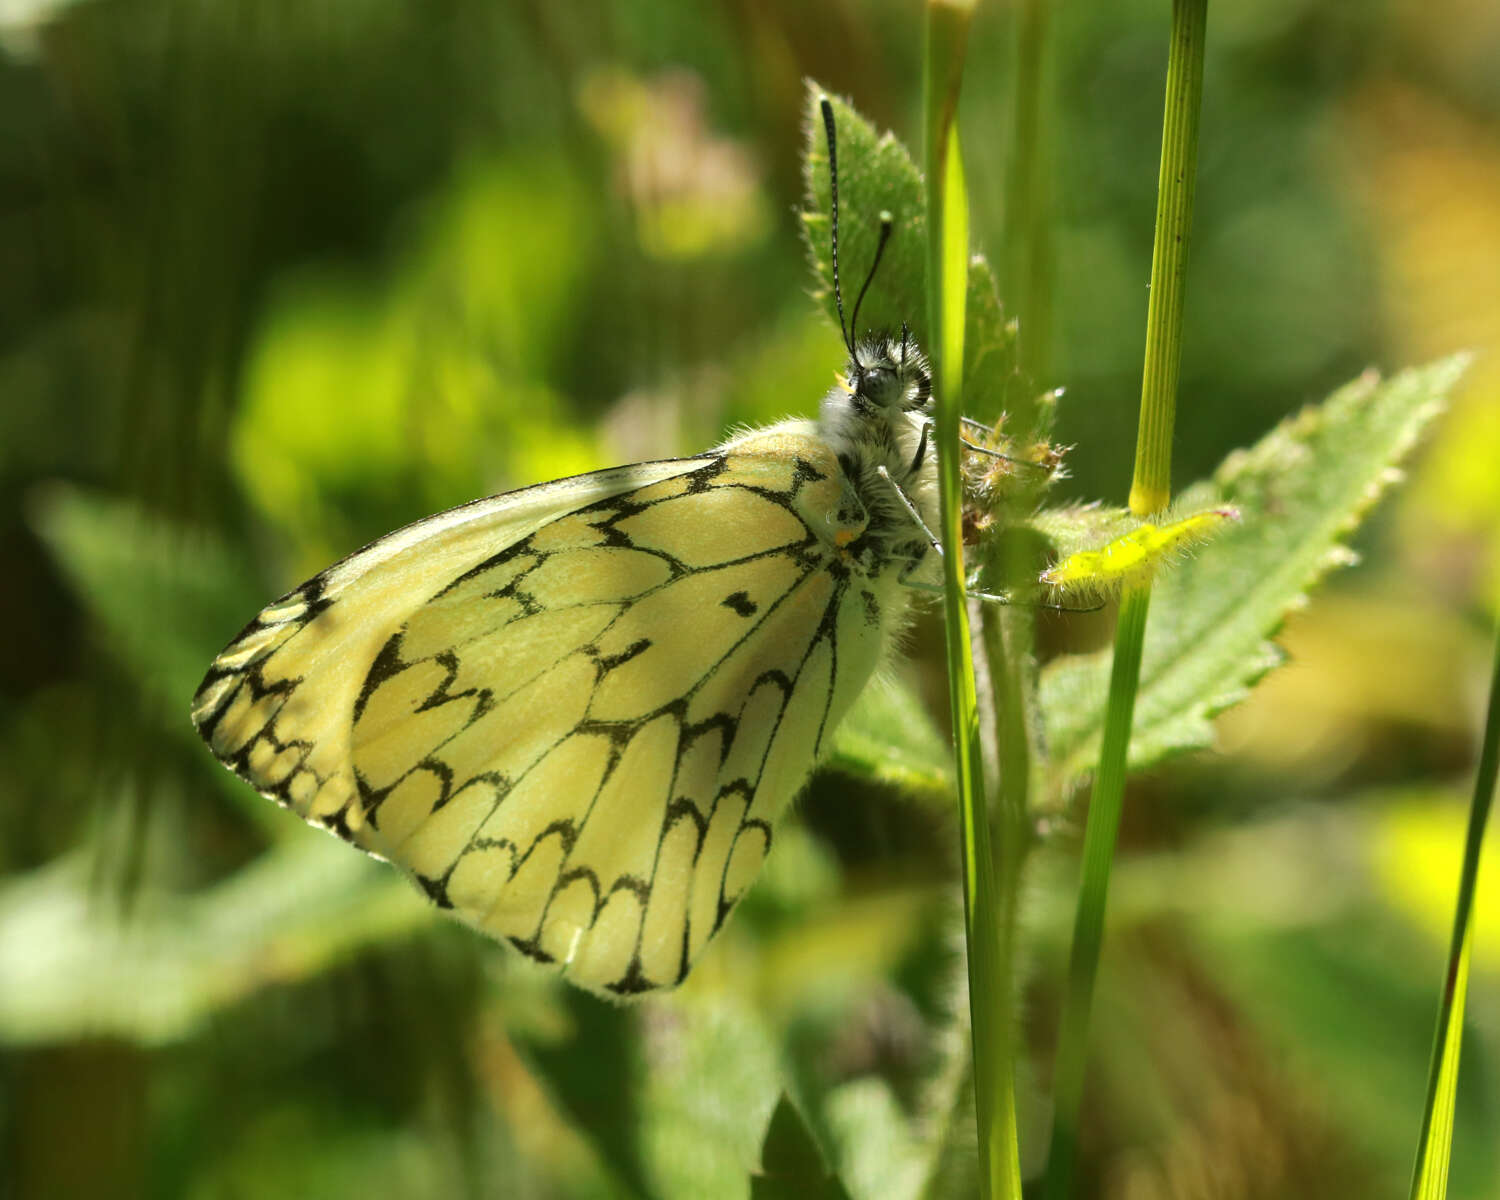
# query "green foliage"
(877, 175)
(155, 592)
(280, 279)
(291, 915)
(1301, 491)
(351, 384)
(889, 736)
(790, 1163)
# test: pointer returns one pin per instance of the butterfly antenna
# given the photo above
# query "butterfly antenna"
(885, 236)
(833, 190)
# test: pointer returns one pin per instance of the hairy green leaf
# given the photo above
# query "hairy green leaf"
(876, 175)
(1301, 491)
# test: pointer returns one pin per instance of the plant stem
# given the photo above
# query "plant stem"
(1435, 1143)
(1151, 487)
(1150, 491)
(1105, 806)
(947, 286)
(1027, 277)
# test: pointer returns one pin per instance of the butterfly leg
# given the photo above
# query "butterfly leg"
(906, 502)
(969, 593)
(989, 597)
(985, 431)
(905, 577)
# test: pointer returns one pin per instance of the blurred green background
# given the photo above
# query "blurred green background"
(277, 277)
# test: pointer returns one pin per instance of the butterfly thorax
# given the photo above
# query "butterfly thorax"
(876, 422)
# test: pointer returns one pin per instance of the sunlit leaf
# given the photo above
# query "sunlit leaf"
(1300, 491)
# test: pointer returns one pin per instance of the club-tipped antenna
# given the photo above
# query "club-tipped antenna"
(833, 193)
(885, 236)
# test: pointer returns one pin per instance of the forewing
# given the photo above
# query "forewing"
(277, 705)
(581, 743)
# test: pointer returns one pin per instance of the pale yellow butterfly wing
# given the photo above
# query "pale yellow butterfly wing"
(277, 703)
(580, 740)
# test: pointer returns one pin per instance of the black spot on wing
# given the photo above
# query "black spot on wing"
(520, 549)
(684, 959)
(532, 948)
(338, 822)
(703, 478)
(635, 885)
(572, 875)
(828, 630)
(619, 733)
(740, 602)
(778, 679)
(740, 787)
(483, 698)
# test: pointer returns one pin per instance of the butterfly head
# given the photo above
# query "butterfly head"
(890, 375)
(885, 375)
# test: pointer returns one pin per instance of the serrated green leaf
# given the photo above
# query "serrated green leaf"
(876, 174)
(1301, 491)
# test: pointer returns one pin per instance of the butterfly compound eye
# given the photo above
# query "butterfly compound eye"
(877, 384)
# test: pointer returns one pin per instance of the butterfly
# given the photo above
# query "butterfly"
(572, 713)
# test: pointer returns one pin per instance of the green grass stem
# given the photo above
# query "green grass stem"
(1434, 1144)
(1151, 486)
(1150, 492)
(1105, 806)
(1028, 234)
(947, 282)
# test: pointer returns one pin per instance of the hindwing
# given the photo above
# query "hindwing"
(575, 728)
